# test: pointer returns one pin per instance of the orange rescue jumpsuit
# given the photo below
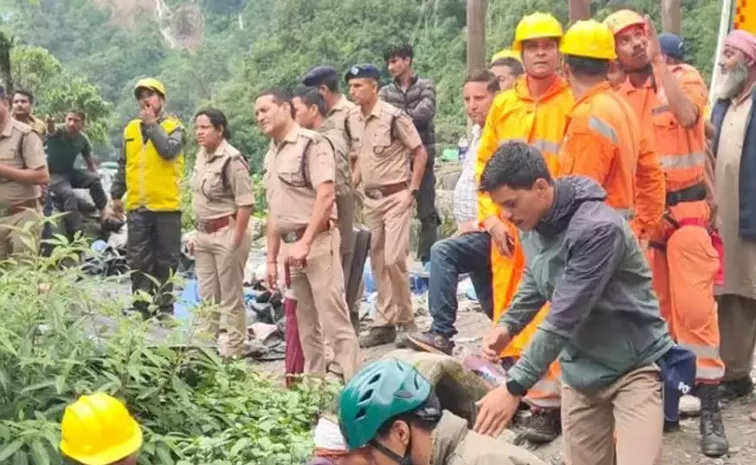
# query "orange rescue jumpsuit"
(604, 142)
(517, 116)
(683, 260)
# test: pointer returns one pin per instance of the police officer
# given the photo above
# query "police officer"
(149, 174)
(299, 177)
(386, 141)
(23, 169)
(326, 80)
(222, 198)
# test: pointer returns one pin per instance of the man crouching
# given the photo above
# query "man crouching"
(604, 321)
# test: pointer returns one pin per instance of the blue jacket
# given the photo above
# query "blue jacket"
(604, 320)
(747, 178)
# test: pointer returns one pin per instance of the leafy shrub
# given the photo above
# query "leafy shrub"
(62, 334)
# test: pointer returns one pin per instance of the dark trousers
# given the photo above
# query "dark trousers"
(428, 215)
(468, 253)
(345, 209)
(153, 248)
(62, 188)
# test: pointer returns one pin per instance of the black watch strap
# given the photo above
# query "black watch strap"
(515, 388)
(415, 193)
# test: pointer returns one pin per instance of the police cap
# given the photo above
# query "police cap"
(363, 71)
(318, 74)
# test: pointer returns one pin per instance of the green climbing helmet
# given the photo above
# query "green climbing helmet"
(378, 392)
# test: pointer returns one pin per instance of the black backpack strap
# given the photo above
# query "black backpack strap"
(303, 163)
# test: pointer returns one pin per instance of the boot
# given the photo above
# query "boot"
(377, 336)
(429, 341)
(731, 390)
(713, 440)
(543, 426)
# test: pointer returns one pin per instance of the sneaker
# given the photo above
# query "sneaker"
(543, 426)
(402, 332)
(377, 336)
(429, 341)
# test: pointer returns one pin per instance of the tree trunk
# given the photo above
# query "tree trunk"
(6, 43)
(579, 10)
(476, 34)
(671, 16)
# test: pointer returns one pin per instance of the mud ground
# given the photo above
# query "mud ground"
(680, 448)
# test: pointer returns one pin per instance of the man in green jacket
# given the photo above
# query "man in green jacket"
(604, 323)
(390, 413)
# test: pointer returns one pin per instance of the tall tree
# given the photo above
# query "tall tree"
(579, 10)
(476, 34)
(671, 16)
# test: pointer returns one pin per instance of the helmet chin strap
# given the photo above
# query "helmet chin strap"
(406, 460)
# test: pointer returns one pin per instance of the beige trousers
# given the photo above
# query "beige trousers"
(737, 329)
(319, 290)
(632, 407)
(220, 275)
(17, 230)
(389, 249)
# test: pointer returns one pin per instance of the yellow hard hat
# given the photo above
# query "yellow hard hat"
(506, 53)
(589, 39)
(623, 19)
(536, 26)
(149, 83)
(98, 430)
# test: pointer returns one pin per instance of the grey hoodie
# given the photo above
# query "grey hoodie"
(604, 320)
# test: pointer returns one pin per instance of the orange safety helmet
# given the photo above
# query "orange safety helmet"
(623, 19)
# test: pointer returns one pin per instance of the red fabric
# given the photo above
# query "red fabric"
(294, 360)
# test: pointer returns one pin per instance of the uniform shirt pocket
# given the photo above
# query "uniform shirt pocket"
(213, 185)
(382, 140)
(9, 153)
(290, 171)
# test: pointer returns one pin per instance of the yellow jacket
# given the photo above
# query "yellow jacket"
(152, 181)
(516, 115)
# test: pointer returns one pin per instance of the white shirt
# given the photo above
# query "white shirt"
(466, 191)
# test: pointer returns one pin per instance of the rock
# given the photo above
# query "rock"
(690, 406)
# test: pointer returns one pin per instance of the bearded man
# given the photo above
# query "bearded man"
(734, 146)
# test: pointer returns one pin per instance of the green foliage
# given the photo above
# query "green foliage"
(71, 339)
(252, 45)
(57, 90)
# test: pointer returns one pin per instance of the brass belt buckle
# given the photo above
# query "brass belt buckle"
(374, 194)
(202, 227)
(289, 237)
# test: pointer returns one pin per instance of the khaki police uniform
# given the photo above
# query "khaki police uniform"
(221, 185)
(293, 169)
(334, 130)
(384, 140)
(20, 147)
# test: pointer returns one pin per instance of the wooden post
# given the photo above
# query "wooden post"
(671, 16)
(6, 43)
(476, 34)
(579, 10)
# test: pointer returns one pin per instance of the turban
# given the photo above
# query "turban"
(744, 42)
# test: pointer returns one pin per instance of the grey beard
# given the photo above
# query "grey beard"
(735, 82)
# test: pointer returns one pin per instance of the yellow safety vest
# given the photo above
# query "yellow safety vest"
(151, 181)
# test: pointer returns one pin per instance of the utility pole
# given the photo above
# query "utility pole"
(476, 34)
(6, 43)
(671, 16)
(579, 10)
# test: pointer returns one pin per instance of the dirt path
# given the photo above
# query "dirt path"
(680, 448)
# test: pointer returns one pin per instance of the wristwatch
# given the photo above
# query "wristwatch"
(415, 193)
(515, 388)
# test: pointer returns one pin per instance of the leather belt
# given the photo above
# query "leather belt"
(693, 193)
(19, 207)
(294, 236)
(385, 191)
(213, 225)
